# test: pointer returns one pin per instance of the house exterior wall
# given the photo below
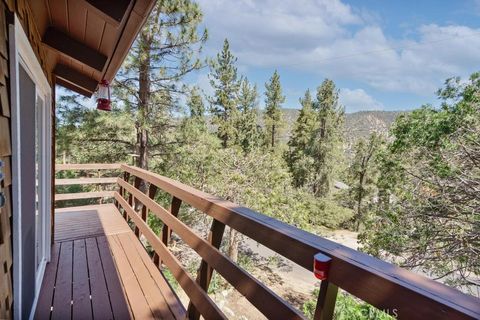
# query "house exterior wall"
(6, 293)
(7, 8)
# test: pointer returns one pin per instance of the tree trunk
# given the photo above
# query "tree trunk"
(358, 217)
(144, 97)
(273, 136)
(143, 149)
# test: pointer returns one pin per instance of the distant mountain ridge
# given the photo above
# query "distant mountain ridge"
(357, 125)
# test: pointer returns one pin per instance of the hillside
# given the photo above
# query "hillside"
(357, 125)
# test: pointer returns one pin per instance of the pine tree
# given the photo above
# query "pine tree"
(247, 126)
(165, 51)
(362, 176)
(224, 80)
(327, 145)
(273, 112)
(298, 155)
(196, 106)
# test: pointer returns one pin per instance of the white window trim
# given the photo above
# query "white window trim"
(21, 53)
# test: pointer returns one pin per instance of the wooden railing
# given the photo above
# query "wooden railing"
(397, 291)
(90, 168)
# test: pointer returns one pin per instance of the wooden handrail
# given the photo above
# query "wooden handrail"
(395, 290)
(257, 293)
(83, 181)
(199, 297)
(83, 195)
(87, 166)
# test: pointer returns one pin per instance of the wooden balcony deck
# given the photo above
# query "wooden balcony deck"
(99, 270)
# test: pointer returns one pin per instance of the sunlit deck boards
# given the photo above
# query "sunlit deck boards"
(99, 270)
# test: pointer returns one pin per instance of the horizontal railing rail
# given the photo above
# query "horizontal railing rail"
(397, 291)
(98, 168)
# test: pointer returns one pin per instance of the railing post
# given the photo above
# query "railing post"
(152, 191)
(126, 176)
(327, 296)
(204, 275)
(166, 231)
(326, 301)
(136, 184)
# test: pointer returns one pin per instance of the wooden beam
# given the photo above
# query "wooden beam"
(87, 166)
(63, 44)
(76, 78)
(327, 298)
(73, 87)
(84, 181)
(83, 195)
(111, 13)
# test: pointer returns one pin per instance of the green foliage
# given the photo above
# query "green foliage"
(224, 80)
(298, 155)
(429, 209)
(316, 147)
(362, 176)
(327, 146)
(273, 114)
(347, 308)
(249, 132)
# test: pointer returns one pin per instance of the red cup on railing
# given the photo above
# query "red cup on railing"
(321, 266)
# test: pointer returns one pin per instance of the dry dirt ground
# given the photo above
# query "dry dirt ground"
(285, 278)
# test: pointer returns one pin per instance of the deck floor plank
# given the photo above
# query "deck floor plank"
(45, 299)
(152, 293)
(62, 298)
(98, 286)
(100, 270)
(82, 307)
(115, 290)
(176, 308)
(136, 297)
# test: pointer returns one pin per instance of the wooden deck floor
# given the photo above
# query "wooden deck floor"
(99, 270)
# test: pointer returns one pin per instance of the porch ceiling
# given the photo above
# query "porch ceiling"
(87, 40)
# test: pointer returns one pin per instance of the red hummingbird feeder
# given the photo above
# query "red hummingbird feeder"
(103, 96)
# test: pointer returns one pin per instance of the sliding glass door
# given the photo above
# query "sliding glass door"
(31, 162)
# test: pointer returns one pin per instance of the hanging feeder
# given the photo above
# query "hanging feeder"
(103, 96)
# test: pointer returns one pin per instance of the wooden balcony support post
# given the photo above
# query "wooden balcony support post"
(326, 301)
(166, 231)
(126, 176)
(152, 191)
(136, 183)
(205, 272)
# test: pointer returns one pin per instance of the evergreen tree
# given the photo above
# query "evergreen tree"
(429, 176)
(273, 112)
(362, 176)
(196, 106)
(224, 80)
(327, 144)
(165, 51)
(247, 126)
(298, 155)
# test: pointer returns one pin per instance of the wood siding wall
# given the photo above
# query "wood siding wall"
(7, 7)
(6, 294)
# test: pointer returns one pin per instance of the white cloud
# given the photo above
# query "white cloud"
(357, 99)
(335, 40)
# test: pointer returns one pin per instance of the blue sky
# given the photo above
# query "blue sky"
(383, 55)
